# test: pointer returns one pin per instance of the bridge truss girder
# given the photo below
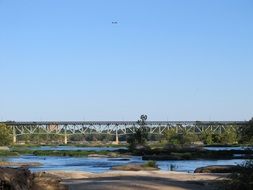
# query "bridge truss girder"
(120, 129)
(117, 128)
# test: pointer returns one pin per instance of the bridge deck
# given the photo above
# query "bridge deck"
(15, 123)
(116, 127)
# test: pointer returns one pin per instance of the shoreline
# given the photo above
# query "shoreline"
(137, 180)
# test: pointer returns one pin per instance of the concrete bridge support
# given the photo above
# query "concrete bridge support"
(65, 139)
(116, 138)
(65, 136)
(14, 136)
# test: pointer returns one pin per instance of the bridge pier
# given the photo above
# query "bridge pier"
(65, 136)
(14, 136)
(116, 138)
(65, 139)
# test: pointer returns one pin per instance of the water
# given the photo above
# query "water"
(87, 164)
(99, 165)
(191, 165)
(227, 148)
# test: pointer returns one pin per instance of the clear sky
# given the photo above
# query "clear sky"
(172, 60)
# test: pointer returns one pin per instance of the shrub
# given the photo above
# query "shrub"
(241, 179)
(151, 164)
(5, 135)
(246, 133)
(173, 137)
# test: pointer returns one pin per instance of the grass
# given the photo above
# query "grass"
(150, 164)
(8, 153)
(24, 145)
(77, 153)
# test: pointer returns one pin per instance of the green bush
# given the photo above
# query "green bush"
(5, 135)
(228, 137)
(138, 138)
(173, 137)
(207, 137)
(151, 164)
(246, 133)
(242, 179)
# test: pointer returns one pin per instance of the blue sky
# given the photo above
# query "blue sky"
(172, 60)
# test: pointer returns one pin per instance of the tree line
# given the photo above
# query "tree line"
(240, 135)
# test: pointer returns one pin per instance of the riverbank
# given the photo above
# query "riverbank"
(168, 153)
(190, 152)
(138, 180)
(23, 179)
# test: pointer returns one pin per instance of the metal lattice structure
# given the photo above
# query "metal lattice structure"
(118, 127)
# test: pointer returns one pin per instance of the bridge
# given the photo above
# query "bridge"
(117, 128)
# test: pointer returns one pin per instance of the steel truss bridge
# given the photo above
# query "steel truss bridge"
(117, 128)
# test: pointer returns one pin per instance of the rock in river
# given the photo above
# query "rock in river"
(217, 169)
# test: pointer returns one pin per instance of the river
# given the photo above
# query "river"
(98, 165)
